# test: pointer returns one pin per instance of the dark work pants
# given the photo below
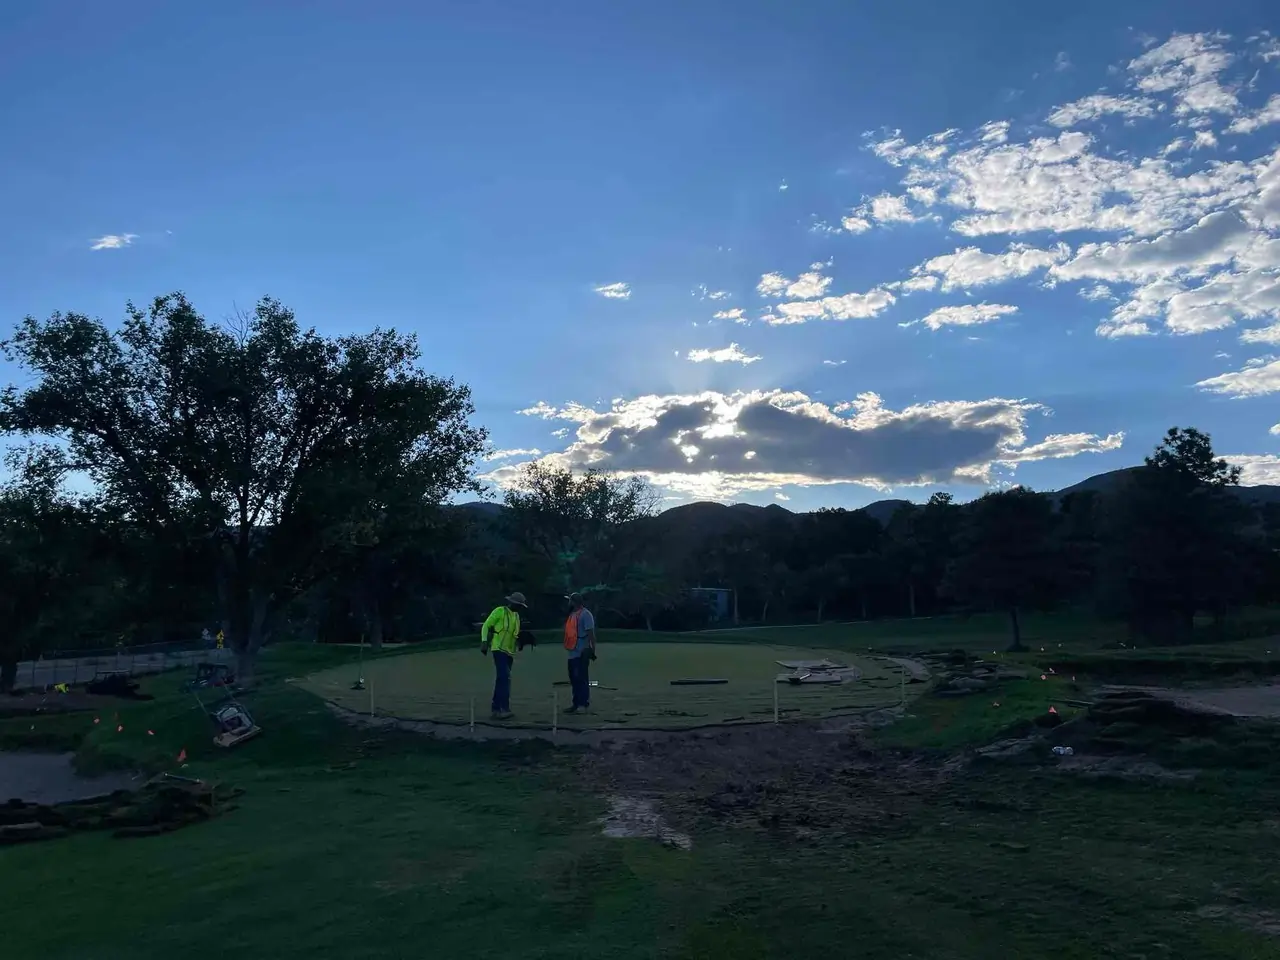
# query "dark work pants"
(580, 679)
(502, 681)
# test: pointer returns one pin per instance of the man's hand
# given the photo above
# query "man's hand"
(484, 649)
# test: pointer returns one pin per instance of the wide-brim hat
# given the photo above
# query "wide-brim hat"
(517, 599)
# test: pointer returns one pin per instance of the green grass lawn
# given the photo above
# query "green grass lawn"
(634, 685)
(352, 845)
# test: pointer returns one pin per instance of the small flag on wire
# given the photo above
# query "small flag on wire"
(151, 733)
(182, 756)
(119, 728)
(1043, 677)
(1053, 710)
(96, 719)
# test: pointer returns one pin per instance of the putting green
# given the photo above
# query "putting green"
(634, 688)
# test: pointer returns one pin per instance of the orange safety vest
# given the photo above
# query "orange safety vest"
(571, 630)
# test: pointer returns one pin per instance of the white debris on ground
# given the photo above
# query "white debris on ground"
(636, 817)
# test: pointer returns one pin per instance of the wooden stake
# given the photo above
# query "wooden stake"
(555, 711)
(371, 698)
(473, 716)
(775, 701)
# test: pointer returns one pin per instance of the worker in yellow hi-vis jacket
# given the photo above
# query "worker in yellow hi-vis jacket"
(499, 634)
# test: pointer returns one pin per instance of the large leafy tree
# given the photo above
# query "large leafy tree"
(267, 445)
(1174, 540)
(1006, 558)
(50, 553)
(922, 541)
(587, 527)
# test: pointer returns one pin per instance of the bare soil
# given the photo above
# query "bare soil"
(817, 782)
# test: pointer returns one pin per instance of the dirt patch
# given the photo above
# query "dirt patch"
(51, 778)
(1123, 768)
(638, 817)
(818, 782)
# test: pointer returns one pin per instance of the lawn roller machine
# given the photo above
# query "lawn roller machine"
(230, 718)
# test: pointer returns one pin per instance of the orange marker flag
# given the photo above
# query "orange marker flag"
(1053, 710)
(182, 757)
(1043, 677)
(151, 733)
(95, 719)
(119, 728)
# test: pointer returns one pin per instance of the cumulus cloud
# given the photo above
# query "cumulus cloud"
(717, 445)
(1257, 378)
(1099, 291)
(730, 354)
(113, 241)
(736, 314)
(855, 224)
(615, 291)
(772, 284)
(1249, 122)
(1269, 335)
(1256, 469)
(834, 363)
(849, 306)
(1100, 105)
(965, 315)
(970, 267)
(702, 292)
(808, 286)
(512, 453)
(1188, 67)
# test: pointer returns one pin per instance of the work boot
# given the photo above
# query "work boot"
(503, 715)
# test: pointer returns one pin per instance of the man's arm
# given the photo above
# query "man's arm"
(487, 631)
(589, 622)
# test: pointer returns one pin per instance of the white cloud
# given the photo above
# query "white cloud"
(702, 292)
(1275, 430)
(856, 224)
(736, 314)
(995, 132)
(889, 209)
(1187, 66)
(1100, 105)
(965, 315)
(717, 445)
(1061, 62)
(781, 496)
(834, 363)
(1267, 114)
(730, 354)
(113, 241)
(970, 267)
(615, 291)
(808, 286)
(1256, 469)
(1099, 291)
(849, 306)
(1257, 378)
(513, 452)
(1269, 335)
(772, 284)
(1204, 139)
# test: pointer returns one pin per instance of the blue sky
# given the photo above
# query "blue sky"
(560, 197)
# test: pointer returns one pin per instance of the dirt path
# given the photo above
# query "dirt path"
(1261, 701)
(50, 778)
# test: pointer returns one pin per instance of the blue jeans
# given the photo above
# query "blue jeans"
(501, 681)
(580, 680)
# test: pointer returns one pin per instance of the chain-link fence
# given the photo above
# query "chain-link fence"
(84, 666)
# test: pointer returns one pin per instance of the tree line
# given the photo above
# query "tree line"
(174, 473)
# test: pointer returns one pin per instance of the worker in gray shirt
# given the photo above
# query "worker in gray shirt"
(580, 642)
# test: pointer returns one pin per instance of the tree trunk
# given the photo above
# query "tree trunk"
(911, 599)
(8, 674)
(822, 606)
(1017, 645)
(764, 611)
(735, 606)
(648, 622)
